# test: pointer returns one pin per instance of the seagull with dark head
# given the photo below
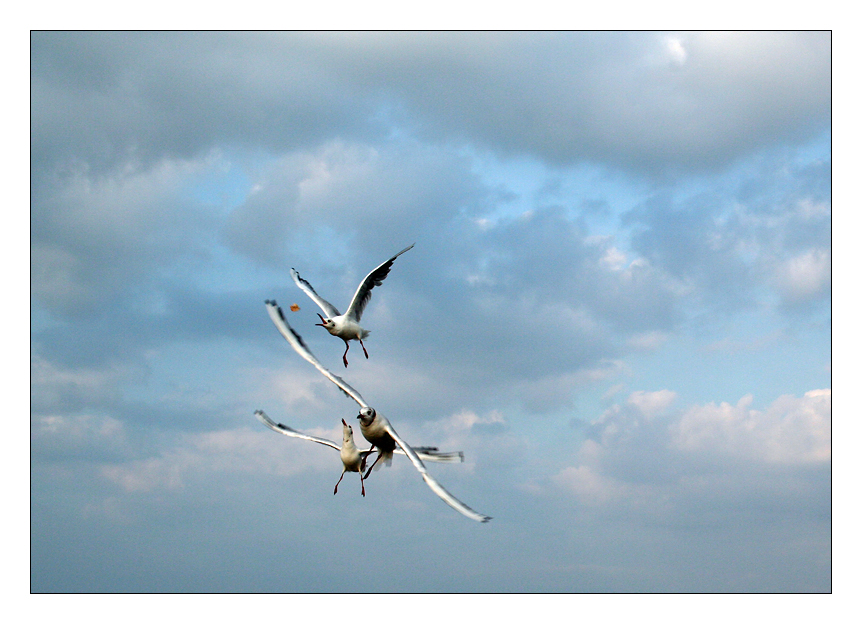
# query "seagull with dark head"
(346, 326)
(374, 430)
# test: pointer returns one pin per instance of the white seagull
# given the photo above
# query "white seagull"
(352, 458)
(346, 326)
(382, 435)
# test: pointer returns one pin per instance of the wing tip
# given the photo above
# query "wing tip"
(274, 304)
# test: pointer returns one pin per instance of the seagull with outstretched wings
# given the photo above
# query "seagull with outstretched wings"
(346, 326)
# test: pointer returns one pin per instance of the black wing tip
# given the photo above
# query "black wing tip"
(297, 336)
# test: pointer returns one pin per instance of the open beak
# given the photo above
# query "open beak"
(322, 321)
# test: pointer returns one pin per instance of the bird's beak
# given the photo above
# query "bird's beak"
(322, 321)
(343, 423)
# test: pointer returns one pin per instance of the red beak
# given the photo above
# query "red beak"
(322, 321)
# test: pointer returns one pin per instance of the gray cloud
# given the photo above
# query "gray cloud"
(770, 233)
(94, 237)
(364, 197)
(108, 97)
(616, 98)
(629, 100)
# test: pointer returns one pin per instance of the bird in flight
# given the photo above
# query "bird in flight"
(346, 326)
(351, 457)
(375, 427)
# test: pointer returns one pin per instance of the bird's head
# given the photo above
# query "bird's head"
(367, 415)
(348, 431)
(324, 322)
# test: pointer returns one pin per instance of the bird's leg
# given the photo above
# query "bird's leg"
(362, 481)
(363, 348)
(364, 460)
(372, 466)
(339, 481)
(344, 357)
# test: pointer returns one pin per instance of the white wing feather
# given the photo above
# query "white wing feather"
(298, 345)
(330, 310)
(438, 489)
(279, 428)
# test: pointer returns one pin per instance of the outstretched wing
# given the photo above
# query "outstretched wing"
(323, 303)
(278, 427)
(299, 346)
(363, 293)
(438, 489)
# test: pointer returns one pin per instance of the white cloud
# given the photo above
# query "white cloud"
(78, 429)
(467, 419)
(651, 404)
(648, 341)
(589, 485)
(805, 275)
(644, 453)
(791, 431)
(235, 451)
(614, 258)
(676, 51)
(58, 388)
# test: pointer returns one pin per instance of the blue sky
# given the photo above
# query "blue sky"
(618, 306)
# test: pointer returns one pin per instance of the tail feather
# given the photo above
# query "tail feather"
(386, 457)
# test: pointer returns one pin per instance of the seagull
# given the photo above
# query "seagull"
(371, 422)
(346, 326)
(352, 458)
